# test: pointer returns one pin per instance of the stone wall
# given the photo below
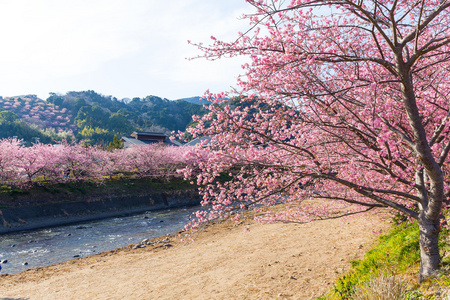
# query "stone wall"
(55, 214)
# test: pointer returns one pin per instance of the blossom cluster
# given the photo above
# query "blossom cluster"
(24, 166)
(341, 100)
(35, 111)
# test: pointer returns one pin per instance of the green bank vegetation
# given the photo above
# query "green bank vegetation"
(80, 190)
(389, 270)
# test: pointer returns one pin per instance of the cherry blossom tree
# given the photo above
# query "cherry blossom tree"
(24, 167)
(341, 100)
(35, 161)
(9, 148)
(153, 160)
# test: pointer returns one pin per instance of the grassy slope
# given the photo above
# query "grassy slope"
(76, 191)
(397, 253)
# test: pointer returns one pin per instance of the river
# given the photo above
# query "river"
(43, 247)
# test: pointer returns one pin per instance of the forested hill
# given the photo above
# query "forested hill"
(92, 117)
(195, 100)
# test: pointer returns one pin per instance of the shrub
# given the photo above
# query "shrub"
(384, 287)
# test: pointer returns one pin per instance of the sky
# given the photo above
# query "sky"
(122, 48)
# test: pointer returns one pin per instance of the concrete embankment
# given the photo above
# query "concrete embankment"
(61, 213)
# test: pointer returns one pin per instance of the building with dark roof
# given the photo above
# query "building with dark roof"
(147, 138)
(198, 141)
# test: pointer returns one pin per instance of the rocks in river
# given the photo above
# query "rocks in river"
(4, 261)
(83, 227)
(138, 246)
(147, 242)
(25, 264)
(75, 256)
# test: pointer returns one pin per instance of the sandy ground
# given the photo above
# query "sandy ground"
(226, 261)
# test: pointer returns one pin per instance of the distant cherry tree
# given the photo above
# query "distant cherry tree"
(341, 100)
(24, 167)
(9, 148)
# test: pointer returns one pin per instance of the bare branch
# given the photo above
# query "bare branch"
(410, 36)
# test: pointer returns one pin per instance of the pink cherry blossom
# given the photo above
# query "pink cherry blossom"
(344, 101)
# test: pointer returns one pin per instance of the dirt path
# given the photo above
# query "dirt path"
(249, 261)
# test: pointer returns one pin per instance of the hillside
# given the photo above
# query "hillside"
(92, 117)
(195, 100)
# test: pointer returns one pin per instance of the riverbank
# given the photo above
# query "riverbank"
(65, 204)
(226, 261)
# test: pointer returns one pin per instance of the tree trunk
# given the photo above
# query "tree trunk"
(429, 248)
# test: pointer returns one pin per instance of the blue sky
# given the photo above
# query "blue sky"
(123, 48)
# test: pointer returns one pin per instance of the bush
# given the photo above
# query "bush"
(384, 287)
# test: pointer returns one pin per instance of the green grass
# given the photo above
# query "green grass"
(46, 192)
(396, 253)
(6, 190)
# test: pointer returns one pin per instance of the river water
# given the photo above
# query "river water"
(43, 247)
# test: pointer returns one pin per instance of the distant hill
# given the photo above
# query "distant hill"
(36, 111)
(96, 118)
(12, 126)
(195, 100)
